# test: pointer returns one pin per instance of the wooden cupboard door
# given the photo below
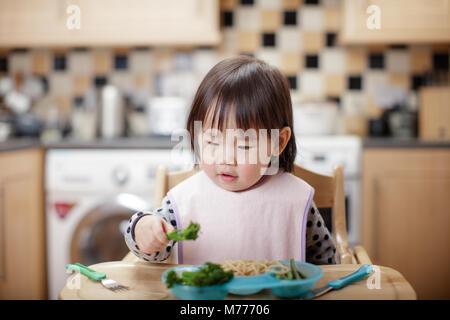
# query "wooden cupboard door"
(406, 221)
(2, 239)
(401, 21)
(413, 230)
(22, 276)
(143, 22)
(22, 225)
(28, 23)
(434, 113)
(43, 23)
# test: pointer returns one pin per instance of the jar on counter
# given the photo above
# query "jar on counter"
(84, 124)
(138, 122)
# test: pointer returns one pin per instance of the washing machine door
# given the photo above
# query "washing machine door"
(99, 237)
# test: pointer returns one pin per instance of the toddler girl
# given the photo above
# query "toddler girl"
(248, 203)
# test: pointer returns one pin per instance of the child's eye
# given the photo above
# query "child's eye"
(212, 143)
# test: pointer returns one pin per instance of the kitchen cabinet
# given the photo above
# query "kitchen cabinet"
(22, 225)
(406, 216)
(434, 113)
(401, 21)
(56, 23)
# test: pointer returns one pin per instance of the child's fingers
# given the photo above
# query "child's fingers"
(168, 228)
(160, 235)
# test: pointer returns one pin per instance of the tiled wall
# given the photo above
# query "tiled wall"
(298, 36)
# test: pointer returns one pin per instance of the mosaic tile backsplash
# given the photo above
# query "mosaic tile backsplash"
(298, 36)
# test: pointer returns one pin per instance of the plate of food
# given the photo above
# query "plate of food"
(287, 279)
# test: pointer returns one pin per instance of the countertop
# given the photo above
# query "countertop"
(164, 142)
(403, 143)
(151, 142)
(19, 143)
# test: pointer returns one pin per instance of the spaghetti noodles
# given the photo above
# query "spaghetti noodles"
(254, 267)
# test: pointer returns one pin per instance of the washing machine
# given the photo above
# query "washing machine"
(90, 196)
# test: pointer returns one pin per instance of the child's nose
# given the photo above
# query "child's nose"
(226, 156)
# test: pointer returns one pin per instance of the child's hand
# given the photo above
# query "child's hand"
(150, 234)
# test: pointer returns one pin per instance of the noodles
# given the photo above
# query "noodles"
(254, 267)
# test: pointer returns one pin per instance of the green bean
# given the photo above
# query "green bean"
(294, 270)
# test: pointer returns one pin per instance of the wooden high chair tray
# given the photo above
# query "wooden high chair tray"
(144, 280)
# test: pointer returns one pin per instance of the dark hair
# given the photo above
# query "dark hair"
(252, 91)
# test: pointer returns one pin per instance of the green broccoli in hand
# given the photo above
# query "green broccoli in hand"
(189, 233)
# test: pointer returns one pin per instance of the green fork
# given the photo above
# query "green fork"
(97, 276)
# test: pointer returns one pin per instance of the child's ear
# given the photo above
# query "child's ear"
(283, 138)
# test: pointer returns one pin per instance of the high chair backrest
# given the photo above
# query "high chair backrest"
(329, 193)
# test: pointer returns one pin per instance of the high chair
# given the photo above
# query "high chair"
(329, 193)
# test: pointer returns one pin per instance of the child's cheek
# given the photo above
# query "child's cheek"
(209, 169)
(249, 173)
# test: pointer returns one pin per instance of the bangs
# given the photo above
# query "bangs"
(230, 112)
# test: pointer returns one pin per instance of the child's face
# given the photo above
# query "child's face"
(235, 160)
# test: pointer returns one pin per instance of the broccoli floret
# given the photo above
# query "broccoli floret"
(208, 275)
(172, 279)
(189, 233)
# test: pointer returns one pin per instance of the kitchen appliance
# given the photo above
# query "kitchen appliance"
(112, 115)
(27, 125)
(320, 154)
(5, 130)
(403, 122)
(379, 127)
(315, 118)
(90, 195)
(166, 114)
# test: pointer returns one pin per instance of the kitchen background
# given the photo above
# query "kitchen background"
(299, 37)
(76, 113)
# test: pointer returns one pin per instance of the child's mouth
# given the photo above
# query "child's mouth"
(227, 178)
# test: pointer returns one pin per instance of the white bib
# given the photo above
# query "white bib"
(265, 222)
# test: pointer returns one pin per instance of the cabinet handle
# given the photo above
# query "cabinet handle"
(2, 233)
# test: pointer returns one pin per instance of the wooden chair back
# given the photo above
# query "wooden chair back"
(329, 193)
